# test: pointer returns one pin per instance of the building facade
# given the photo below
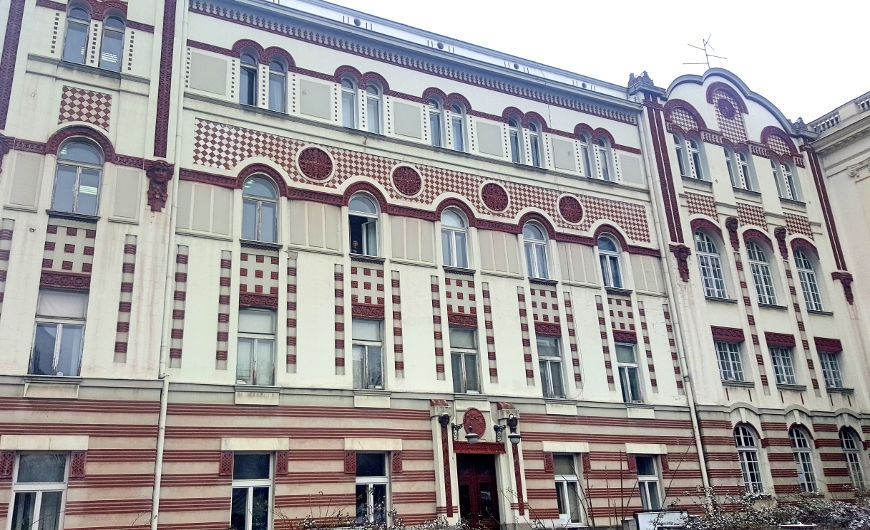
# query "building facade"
(268, 262)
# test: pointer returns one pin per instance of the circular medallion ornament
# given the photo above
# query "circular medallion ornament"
(473, 421)
(407, 181)
(494, 197)
(315, 163)
(726, 108)
(570, 209)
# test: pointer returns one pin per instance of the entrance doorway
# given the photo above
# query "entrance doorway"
(478, 492)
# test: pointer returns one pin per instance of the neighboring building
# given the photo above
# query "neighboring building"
(268, 261)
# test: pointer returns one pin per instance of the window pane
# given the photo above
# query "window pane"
(260, 187)
(89, 189)
(564, 465)
(70, 353)
(49, 510)
(624, 354)
(239, 508)
(379, 496)
(249, 219)
(80, 151)
(256, 321)
(348, 109)
(248, 86)
(616, 279)
(456, 364)
(447, 248)
(645, 466)
(471, 382)
(574, 502)
(41, 467)
(461, 338)
(110, 54)
(458, 135)
(42, 362)
(374, 367)
(358, 366)
(548, 347)
(22, 510)
(435, 128)
(461, 249)
(366, 329)
(268, 222)
(260, 509)
(276, 92)
(541, 254)
(370, 241)
(530, 259)
(245, 360)
(652, 489)
(66, 304)
(265, 371)
(361, 501)
(248, 466)
(64, 188)
(76, 40)
(370, 465)
(374, 115)
(556, 376)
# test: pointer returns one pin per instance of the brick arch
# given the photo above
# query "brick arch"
(675, 104)
(87, 5)
(375, 77)
(459, 204)
(752, 427)
(775, 132)
(614, 232)
(458, 98)
(247, 44)
(368, 188)
(98, 8)
(599, 133)
(736, 146)
(347, 71)
(115, 12)
(273, 52)
(511, 112)
(81, 131)
(531, 116)
(804, 427)
(434, 92)
(801, 243)
(540, 219)
(706, 225)
(853, 430)
(263, 169)
(583, 130)
(727, 89)
(755, 234)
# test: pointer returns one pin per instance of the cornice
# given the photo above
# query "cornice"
(844, 134)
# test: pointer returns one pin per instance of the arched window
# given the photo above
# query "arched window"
(260, 210)
(113, 44)
(603, 158)
(786, 182)
(535, 147)
(747, 452)
(436, 122)
(77, 177)
(801, 449)
(515, 135)
(608, 254)
(739, 169)
(689, 158)
(363, 222)
(348, 103)
(277, 87)
(247, 79)
(851, 445)
(454, 238)
(373, 108)
(586, 155)
(761, 276)
(535, 245)
(457, 126)
(710, 265)
(76, 42)
(809, 285)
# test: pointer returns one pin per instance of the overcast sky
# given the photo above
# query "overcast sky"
(806, 57)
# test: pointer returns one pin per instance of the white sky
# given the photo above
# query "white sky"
(807, 57)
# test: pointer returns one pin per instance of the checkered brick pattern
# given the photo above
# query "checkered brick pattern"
(621, 313)
(778, 145)
(672, 344)
(79, 104)
(292, 258)
(647, 347)
(179, 299)
(527, 337)
(367, 284)
(804, 343)
(732, 128)
(125, 305)
(701, 205)
(751, 215)
(225, 146)
(7, 226)
(69, 247)
(750, 320)
(460, 295)
(340, 320)
(258, 273)
(438, 328)
(223, 324)
(572, 340)
(490, 335)
(798, 224)
(545, 305)
(685, 120)
(605, 341)
(398, 342)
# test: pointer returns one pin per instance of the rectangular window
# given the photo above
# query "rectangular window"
(730, 364)
(463, 354)
(348, 107)
(277, 92)
(367, 356)
(38, 490)
(629, 379)
(248, 85)
(372, 483)
(783, 366)
(550, 360)
(252, 491)
(831, 369)
(60, 323)
(458, 133)
(648, 482)
(567, 489)
(256, 353)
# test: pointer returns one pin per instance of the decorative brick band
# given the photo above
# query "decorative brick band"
(731, 224)
(223, 323)
(572, 340)
(340, 321)
(526, 336)
(726, 334)
(292, 314)
(828, 345)
(164, 91)
(784, 340)
(672, 343)
(647, 346)
(605, 342)
(490, 335)
(7, 226)
(125, 303)
(179, 298)
(398, 344)
(437, 327)
(9, 56)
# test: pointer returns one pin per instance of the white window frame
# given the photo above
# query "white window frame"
(730, 361)
(536, 144)
(250, 484)
(363, 352)
(457, 128)
(808, 281)
(454, 239)
(255, 375)
(801, 449)
(467, 357)
(59, 323)
(370, 482)
(762, 276)
(550, 366)
(563, 490)
(786, 182)
(40, 488)
(649, 483)
(67, 161)
(586, 156)
(374, 108)
(710, 265)
(82, 26)
(852, 451)
(831, 370)
(369, 227)
(277, 78)
(604, 160)
(252, 71)
(739, 169)
(629, 371)
(783, 365)
(435, 112)
(115, 35)
(611, 263)
(258, 202)
(535, 250)
(690, 157)
(746, 442)
(515, 140)
(349, 106)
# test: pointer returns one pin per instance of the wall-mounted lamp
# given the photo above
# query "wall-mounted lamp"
(513, 436)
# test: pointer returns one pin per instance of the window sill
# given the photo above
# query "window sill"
(794, 388)
(459, 270)
(638, 405)
(92, 219)
(772, 306)
(742, 384)
(56, 379)
(721, 300)
(820, 312)
(371, 392)
(697, 184)
(840, 390)
(51, 387)
(543, 281)
(618, 291)
(91, 69)
(747, 194)
(260, 245)
(800, 206)
(366, 259)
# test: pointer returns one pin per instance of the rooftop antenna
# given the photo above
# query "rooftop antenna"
(706, 48)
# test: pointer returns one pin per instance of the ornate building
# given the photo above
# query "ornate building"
(268, 261)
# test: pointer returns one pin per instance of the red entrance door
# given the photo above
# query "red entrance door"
(478, 494)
